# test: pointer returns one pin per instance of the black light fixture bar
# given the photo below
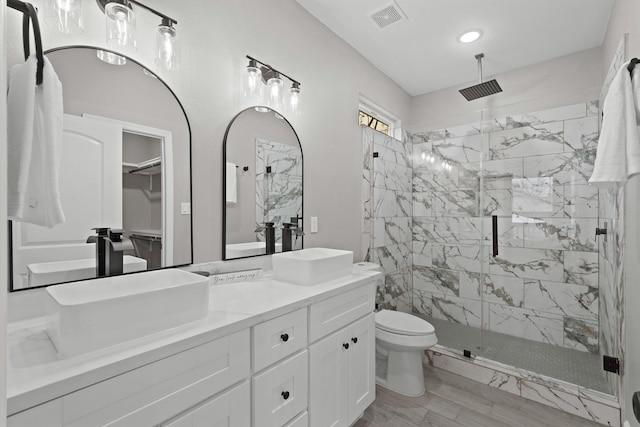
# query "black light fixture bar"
(103, 3)
(273, 69)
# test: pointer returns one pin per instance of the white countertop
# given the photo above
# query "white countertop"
(36, 374)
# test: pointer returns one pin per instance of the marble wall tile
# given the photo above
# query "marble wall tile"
(564, 168)
(581, 268)
(429, 180)
(391, 176)
(422, 302)
(422, 204)
(561, 233)
(537, 197)
(405, 203)
(551, 115)
(528, 264)
(461, 257)
(571, 403)
(367, 148)
(422, 254)
(565, 299)
(392, 231)
(393, 257)
(385, 203)
(395, 291)
(580, 201)
(526, 323)
(463, 149)
(504, 290)
(580, 334)
(581, 136)
(527, 141)
(472, 284)
(435, 229)
(436, 280)
(454, 203)
(454, 309)
(497, 202)
(593, 108)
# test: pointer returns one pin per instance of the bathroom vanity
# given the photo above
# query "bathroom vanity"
(268, 353)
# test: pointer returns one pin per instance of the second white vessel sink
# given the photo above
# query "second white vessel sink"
(312, 266)
(93, 314)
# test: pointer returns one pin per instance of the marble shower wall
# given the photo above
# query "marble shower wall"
(386, 204)
(279, 192)
(543, 285)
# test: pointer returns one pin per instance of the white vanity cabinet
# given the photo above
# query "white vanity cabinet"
(342, 365)
(311, 365)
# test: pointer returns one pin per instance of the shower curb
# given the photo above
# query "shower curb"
(576, 400)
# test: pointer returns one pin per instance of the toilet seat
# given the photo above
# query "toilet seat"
(397, 322)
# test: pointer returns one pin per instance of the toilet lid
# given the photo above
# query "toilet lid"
(402, 323)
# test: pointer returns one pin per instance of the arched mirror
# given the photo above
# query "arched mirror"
(262, 185)
(126, 165)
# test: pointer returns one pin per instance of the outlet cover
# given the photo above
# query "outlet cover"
(185, 208)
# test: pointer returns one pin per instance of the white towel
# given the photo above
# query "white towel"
(618, 152)
(34, 133)
(232, 184)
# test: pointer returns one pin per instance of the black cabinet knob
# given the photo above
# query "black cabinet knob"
(354, 340)
(285, 395)
(284, 337)
(346, 346)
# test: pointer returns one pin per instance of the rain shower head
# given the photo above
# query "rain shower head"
(481, 89)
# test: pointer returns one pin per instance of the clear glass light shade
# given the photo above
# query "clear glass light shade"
(252, 82)
(167, 47)
(64, 15)
(110, 57)
(121, 27)
(294, 100)
(275, 95)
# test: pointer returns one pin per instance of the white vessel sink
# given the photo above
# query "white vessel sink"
(46, 273)
(312, 266)
(238, 250)
(89, 315)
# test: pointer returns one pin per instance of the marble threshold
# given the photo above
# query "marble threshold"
(589, 404)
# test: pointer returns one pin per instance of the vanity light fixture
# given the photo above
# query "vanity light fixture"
(121, 31)
(470, 36)
(64, 15)
(259, 74)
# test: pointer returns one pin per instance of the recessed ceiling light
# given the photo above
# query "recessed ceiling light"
(470, 36)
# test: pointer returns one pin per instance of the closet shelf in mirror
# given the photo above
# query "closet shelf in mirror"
(148, 167)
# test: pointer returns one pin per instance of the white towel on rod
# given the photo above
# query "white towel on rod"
(232, 183)
(34, 133)
(618, 152)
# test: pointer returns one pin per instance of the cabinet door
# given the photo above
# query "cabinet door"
(230, 409)
(361, 366)
(328, 406)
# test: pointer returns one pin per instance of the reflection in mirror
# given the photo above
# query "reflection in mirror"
(262, 185)
(125, 166)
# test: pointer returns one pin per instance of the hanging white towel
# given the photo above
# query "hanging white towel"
(618, 152)
(232, 184)
(34, 133)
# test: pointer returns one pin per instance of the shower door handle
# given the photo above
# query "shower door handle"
(494, 234)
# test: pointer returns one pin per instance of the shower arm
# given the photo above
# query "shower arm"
(479, 58)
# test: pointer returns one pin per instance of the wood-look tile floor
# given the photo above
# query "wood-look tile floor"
(455, 401)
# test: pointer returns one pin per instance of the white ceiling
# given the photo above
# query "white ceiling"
(422, 54)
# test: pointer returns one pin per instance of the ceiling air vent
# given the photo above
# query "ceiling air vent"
(389, 14)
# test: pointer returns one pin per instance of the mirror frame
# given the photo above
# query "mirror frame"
(10, 222)
(224, 180)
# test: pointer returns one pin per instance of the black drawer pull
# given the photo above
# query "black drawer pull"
(354, 340)
(284, 337)
(285, 395)
(346, 346)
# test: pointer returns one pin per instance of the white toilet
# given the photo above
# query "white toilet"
(401, 338)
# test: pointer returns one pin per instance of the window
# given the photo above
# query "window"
(373, 123)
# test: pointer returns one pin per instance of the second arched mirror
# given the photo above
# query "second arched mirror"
(262, 185)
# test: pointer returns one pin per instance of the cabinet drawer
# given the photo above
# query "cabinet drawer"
(281, 392)
(278, 338)
(301, 421)
(231, 409)
(334, 313)
(48, 414)
(156, 392)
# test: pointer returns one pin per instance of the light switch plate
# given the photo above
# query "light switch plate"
(314, 224)
(185, 208)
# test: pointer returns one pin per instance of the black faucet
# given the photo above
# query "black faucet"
(286, 236)
(270, 237)
(109, 250)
